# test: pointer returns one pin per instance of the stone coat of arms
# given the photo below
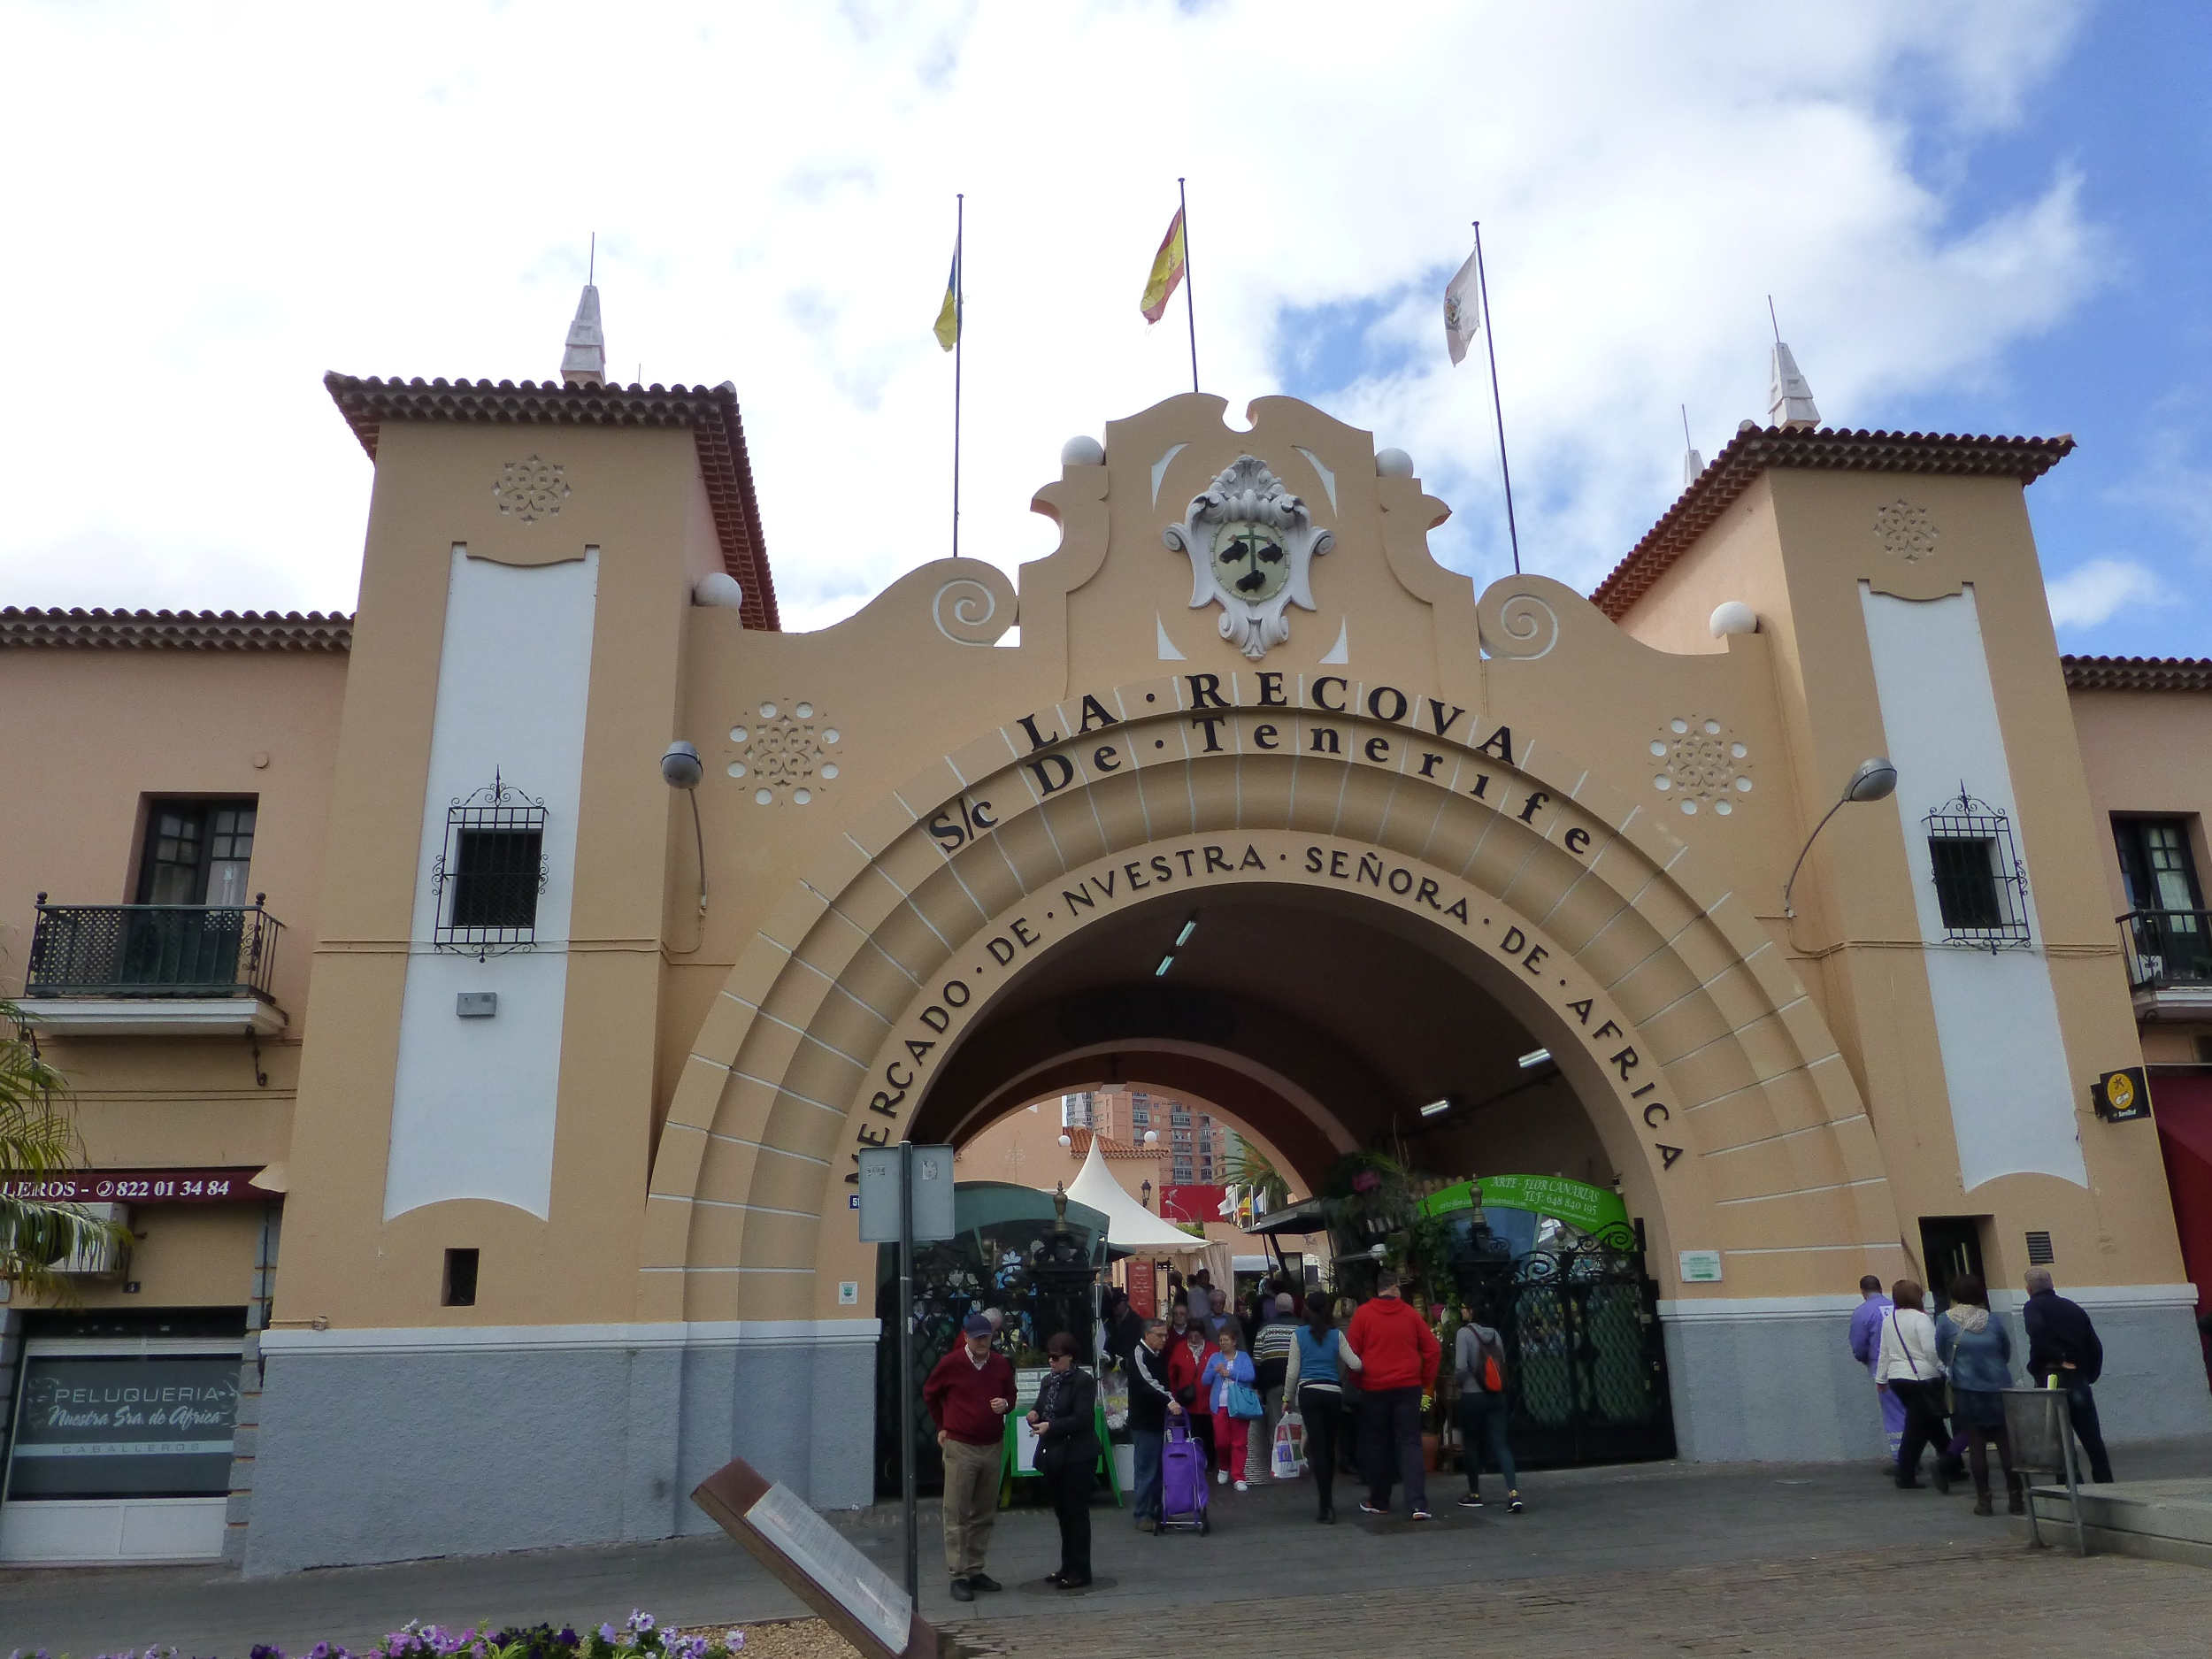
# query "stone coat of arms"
(1251, 545)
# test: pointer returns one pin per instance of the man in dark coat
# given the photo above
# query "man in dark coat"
(2062, 1342)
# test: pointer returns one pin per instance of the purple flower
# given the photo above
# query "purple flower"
(640, 1621)
(606, 1632)
(567, 1638)
(262, 1650)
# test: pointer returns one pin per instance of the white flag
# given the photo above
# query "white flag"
(1463, 309)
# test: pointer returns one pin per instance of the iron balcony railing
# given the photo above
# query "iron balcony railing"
(2167, 948)
(153, 950)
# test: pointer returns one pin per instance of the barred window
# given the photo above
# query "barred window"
(491, 871)
(1981, 887)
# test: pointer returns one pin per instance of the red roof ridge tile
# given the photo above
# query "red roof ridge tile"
(97, 629)
(2137, 673)
(1753, 450)
(708, 412)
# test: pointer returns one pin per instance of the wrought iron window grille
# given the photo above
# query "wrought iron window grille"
(490, 872)
(1981, 885)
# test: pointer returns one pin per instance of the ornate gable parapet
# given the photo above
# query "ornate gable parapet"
(175, 630)
(710, 413)
(1754, 450)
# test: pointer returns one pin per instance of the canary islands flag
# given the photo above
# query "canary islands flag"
(948, 329)
(1167, 270)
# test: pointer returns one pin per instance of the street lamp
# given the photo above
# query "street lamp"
(1145, 1195)
(681, 769)
(1876, 780)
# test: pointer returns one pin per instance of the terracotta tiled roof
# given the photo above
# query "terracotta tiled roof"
(2137, 673)
(1755, 449)
(177, 630)
(709, 413)
(1080, 1146)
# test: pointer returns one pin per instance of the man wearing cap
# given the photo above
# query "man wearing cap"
(969, 1392)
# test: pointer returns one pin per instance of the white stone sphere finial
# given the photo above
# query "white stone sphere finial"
(1733, 616)
(719, 590)
(1082, 450)
(1393, 463)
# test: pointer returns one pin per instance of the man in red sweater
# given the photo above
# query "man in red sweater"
(969, 1392)
(1398, 1355)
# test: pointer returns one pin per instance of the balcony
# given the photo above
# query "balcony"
(2170, 963)
(153, 970)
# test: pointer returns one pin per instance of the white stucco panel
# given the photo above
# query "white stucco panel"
(473, 1101)
(1996, 1013)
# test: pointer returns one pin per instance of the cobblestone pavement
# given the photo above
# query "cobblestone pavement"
(1634, 1560)
(1898, 1603)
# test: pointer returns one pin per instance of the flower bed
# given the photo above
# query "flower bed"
(640, 1636)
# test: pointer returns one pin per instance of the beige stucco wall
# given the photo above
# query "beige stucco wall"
(99, 731)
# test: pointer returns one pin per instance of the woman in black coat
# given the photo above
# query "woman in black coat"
(1065, 1418)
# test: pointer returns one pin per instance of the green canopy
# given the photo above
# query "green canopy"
(1577, 1203)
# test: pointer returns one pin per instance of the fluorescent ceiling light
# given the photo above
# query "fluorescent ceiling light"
(1534, 1056)
(1166, 963)
(1183, 938)
(1436, 1106)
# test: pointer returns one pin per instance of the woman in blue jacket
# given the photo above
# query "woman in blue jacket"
(1977, 1351)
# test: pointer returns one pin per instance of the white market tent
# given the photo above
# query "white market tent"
(1129, 1226)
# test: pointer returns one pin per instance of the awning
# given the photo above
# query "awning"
(1305, 1216)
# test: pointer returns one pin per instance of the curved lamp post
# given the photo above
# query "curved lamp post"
(1876, 780)
(681, 769)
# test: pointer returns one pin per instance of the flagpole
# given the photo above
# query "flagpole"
(959, 341)
(1190, 303)
(1490, 340)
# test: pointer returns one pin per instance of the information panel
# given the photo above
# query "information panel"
(858, 1599)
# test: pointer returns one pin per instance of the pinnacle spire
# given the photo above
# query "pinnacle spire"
(1789, 399)
(1692, 462)
(585, 361)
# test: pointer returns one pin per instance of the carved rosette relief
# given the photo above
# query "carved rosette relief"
(1251, 545)
(1699, 765)
(1906, 531)
(530, 489)
(785, 754)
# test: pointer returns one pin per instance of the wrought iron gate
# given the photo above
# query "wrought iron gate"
(1580, 1323)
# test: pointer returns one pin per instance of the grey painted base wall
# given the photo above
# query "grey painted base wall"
(370, 1456)
(1783, 1388)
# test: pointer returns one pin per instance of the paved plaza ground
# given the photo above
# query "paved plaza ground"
(1664, 1558)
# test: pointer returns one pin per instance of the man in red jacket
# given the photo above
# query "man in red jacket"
(1398, 1357)
(969, 1392)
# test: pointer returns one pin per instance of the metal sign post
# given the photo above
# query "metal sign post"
(905, 1197)
(906, 1367)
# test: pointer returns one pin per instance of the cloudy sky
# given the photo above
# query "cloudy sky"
(1985, 217)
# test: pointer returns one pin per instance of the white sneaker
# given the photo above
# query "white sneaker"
(1221, 1476)
(1244, 1486)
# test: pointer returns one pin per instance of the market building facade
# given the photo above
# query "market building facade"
(537, 1122)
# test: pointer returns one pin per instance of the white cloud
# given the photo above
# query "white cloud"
(223, 204)
(2095, 592)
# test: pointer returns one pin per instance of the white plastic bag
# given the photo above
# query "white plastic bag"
(1288, 1461)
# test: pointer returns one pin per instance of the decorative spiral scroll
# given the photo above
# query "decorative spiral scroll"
(1526, 627)
(973, 610)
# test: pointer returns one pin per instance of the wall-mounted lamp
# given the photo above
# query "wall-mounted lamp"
(1437, 1108)
(681, 769)
(1166, 962)
(1189, 927)
(1876, 780)
(1534, 1058)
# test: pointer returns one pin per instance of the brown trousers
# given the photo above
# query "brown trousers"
(971, 1478)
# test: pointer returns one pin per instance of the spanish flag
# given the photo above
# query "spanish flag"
(1167, 270)
(948, 329)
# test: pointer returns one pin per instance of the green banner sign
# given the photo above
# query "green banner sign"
(1577, 1203)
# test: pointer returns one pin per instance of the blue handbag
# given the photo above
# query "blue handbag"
(1244, 1400)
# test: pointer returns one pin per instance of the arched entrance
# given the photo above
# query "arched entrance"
(926, 940)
